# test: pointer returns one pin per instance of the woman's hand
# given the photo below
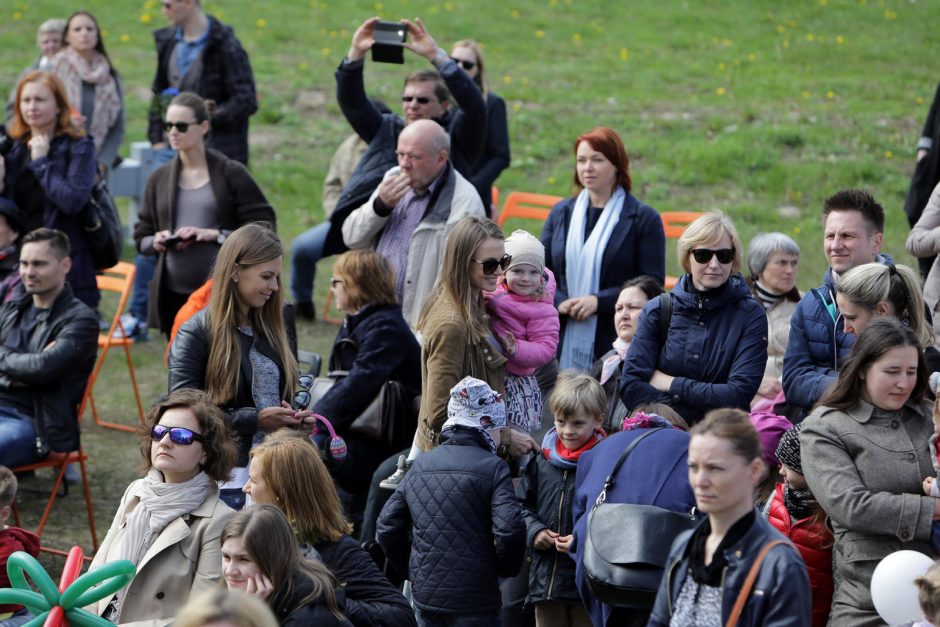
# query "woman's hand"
(578, 307)
(661, 381)
(563, 543)
(509, 343)
(159, 238)
(190, 234)
(544, 540)
(307, 422)
(259, 586)
(769, 387)
(38, 146)
(273, 418)
(362, 40)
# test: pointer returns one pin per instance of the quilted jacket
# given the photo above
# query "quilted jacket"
(533, 324)
(716, 349)
(455, 526)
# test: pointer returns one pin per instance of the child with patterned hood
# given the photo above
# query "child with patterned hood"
(454, 525)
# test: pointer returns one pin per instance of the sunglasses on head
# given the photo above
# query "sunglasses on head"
(178, 435)
(704, 255)
(182, 127)
(490, 265)
(467, 65)
(421, 99)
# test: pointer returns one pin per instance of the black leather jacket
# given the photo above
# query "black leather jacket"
(780, 596)
(57, 374)
(189, 357)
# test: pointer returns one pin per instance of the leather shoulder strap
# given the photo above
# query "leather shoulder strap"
(749, 583)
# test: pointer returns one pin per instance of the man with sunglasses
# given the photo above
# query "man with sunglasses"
(198, 53)
(426, 96)
(853, 224)
(48, 343)
(408, 217)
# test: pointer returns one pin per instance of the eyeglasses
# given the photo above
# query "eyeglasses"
(467, 65)
(182, 127)
(490, 265)
(335, 282)
(704, 255)
(421, 99)
(302, 397)
(178, 435)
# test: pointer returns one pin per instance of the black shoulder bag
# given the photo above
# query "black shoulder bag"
(626, 545)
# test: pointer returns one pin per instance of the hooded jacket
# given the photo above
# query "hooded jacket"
(455, 527)
(716, 348)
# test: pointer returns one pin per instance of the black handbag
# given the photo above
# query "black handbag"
(626, 545)
(389, 418)
(102, 226)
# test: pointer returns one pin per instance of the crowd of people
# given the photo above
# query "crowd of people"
(514, 429)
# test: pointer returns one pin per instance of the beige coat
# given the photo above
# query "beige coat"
(447, 356)
(924, 241)
(185, 558)
(778, 335)
(866, 467)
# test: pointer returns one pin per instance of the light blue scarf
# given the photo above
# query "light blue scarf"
(583, 271)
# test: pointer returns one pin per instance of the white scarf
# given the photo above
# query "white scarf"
(583, 271)
(73, 69)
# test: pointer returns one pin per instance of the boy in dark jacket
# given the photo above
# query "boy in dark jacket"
(547, 492)
(12, 539)
(454, 525)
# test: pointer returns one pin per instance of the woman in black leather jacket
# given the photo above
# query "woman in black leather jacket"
(238, 349)
(375, 345)
(708, 565)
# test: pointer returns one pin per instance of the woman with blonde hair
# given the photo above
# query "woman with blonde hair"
(495, 158)
(260, 557)
(238, 349)
(225, 608)
(286, 470)
(50, 171)
(714, 349)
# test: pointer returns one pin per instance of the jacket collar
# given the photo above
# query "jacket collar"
(863, 410)
(734, 290)
(60, 304)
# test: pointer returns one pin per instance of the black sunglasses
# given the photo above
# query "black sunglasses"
(704, 255)
(178, 435)
(467, 65)
(490, 265)
(420, 99)
(182, 127)
(302, 397)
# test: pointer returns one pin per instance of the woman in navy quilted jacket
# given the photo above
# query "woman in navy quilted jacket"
(715, 346)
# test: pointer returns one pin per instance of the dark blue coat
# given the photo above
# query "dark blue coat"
(636, 246)
(780, 596)
(455, 526)
(64, 178)
(656, 473)
(716, 349)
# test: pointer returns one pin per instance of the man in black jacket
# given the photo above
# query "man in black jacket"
(48, 343)
(426, 96)
(198, 53)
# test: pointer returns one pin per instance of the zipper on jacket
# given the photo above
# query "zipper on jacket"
(561, 504)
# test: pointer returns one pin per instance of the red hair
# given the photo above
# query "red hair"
(19, 129)
(607, 142)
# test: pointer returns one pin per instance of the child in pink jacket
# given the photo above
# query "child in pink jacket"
(524, 318)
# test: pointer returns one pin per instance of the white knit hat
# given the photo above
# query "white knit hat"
(525, 248)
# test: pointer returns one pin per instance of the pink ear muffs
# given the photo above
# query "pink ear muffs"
(331, 445)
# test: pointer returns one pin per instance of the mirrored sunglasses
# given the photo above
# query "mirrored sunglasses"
(178, 435)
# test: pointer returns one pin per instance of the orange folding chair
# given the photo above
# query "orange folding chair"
(59, 462)
(674, 225)
(118, 279)
(526, 205)
(494, 191)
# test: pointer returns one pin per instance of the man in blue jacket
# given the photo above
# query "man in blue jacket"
(853, 224)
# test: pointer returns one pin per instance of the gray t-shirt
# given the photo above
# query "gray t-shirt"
(186, 270)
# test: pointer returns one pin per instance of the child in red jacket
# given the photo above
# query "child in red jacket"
(12, 539)
(794, 512)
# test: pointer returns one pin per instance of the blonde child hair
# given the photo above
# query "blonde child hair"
(573, 392)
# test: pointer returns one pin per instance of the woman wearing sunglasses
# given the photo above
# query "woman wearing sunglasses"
(169, 523)
(594, 242)
(238, 349)
(715, 347)
(190, 206)
(373, 346)
(468, 54)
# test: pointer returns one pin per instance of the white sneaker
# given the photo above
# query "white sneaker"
(129, 321)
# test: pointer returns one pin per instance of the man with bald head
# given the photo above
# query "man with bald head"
(408, 217)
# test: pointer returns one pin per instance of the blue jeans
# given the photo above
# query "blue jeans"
(146, 266)
(306, 251)
(17, 438)
(436, 619)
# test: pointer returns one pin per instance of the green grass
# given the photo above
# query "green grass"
(743, 105)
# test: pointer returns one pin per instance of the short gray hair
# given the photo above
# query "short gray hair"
(763, 247)
(54, 25)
